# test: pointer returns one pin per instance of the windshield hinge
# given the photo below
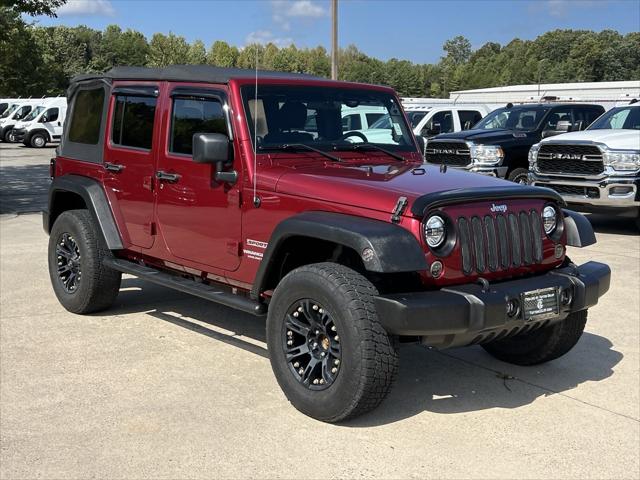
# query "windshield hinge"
(398, 210)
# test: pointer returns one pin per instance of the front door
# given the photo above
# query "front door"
(129, 159)
(198, 217)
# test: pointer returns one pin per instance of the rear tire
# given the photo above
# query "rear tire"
(542, 345)
(362, 358)
(38, 140)
(76, 251)
(519, 175)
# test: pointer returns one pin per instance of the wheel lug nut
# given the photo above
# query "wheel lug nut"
(315, 307)
(300, 309)
(321, 381)
(336, 362)
(295, 314)
(296, 364)
(301, 371)
(315, 381)
(289, 333)
(333, 329)
(289, 342)
(336, 338)
(317, 332)
(315, 344)
(322, 354)
(321, 311)
(334, 370)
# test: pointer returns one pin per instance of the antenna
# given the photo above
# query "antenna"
(256, 200)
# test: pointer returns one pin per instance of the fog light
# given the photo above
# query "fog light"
(620, 190)
(436, 269)
(559, 251)
(566, 296)
(513, 307)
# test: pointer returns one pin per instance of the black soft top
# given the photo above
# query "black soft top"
(188, 73)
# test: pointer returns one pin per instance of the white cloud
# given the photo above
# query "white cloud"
(87, 7)
(285, 10)
(265, 36)
(561, 8)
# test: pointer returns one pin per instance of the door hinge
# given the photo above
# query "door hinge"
(154, 230)
(398, 210)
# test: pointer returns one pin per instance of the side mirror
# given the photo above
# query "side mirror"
(214, 148)
(434, 130)
(563, 126)
(44, 119)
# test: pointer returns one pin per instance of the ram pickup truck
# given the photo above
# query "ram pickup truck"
(499, 144)
(208, 181)
(597, 170)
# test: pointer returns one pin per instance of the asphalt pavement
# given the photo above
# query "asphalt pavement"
(165, 385)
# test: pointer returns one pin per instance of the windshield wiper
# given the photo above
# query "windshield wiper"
(300, 146)
(372, 146)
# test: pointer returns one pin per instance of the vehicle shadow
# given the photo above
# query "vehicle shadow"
(451, 381)
(613, 225)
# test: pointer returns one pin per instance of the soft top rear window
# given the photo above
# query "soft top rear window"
(87, 116)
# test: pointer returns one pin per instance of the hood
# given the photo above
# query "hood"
(21, 124)
(487, 136)
(614, 139)
(376, 187)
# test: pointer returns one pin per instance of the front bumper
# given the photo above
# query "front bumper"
(612, 193)
(19, 134)
(469, 314)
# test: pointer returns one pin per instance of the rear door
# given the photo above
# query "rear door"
(468, 118)
(129, 157)
(198, 217)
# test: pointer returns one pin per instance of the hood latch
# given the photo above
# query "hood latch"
(398, 210)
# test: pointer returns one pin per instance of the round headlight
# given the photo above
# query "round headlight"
(549, 219)
(434, 231)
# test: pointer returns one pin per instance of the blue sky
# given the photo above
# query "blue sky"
(413, 30)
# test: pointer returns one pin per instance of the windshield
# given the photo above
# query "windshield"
(314, 116)
(513, 119)
(34, 113)
(9, 110)
(627, 118)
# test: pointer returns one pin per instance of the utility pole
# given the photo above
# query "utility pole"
(334, 39)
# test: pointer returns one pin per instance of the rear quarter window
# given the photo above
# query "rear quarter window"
(87, 116)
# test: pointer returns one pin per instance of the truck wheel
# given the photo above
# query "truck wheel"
(10, 137)
(542, 345)
(519, 175)
(329, 353)
(38, 140)
(76, 250)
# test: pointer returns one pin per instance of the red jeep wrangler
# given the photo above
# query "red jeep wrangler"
(254, 191)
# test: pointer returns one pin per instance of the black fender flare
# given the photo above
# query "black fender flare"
(31, 133)
(96, 201)
(383, 247)
(578, 229)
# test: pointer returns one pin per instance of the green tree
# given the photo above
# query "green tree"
(167, 50)
(222, 54)
(33, 7)
(197, 53)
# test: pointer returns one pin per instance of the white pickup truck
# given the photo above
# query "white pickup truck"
(596, 170)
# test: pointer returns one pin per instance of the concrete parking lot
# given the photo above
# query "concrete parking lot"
(165, 385)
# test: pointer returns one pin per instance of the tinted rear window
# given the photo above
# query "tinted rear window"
(87, 116)
(133, 121)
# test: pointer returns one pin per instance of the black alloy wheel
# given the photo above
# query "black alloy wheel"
(68, 256)
(311, 344)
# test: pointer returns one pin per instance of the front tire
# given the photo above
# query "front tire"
(519, 175)
(542, 345)
(328, 351)
(79, 278)
(38, 140)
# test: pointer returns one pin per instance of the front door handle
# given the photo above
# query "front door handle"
(167, 177)
(113, 167)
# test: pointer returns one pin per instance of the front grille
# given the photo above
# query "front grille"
(576, 191)
(500, 242)
(455, 154)
(570, 159)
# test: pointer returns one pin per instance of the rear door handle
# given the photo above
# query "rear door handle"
(167, 177)
(113, 167)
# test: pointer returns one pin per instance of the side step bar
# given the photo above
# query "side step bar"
(185, 285)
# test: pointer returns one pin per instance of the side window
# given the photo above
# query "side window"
(351, 122)
(50, 115)
(192, 116)
(372, 117)
(441, 122)
(87, 116)
(133, 121)
(558, 115)
(468, 118)
(23, 112)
